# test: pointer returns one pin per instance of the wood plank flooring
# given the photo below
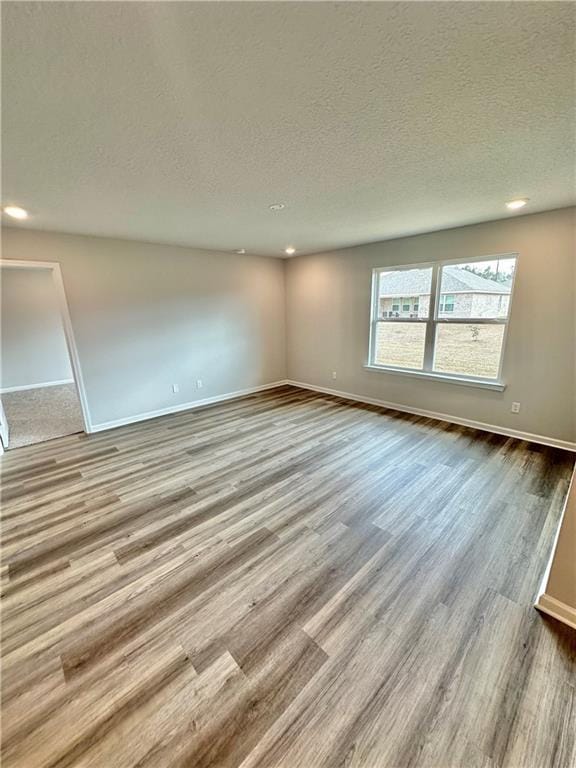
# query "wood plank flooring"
(283, 581)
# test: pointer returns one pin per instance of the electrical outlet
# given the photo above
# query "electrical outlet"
(333, 374)
(175, 388)
(199, 384)
(515, 408)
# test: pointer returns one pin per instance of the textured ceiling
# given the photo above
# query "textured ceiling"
(182, 122)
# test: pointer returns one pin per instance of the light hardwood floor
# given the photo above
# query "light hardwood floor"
(285, 581)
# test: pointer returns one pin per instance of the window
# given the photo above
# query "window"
(454, 323)
(446, 302)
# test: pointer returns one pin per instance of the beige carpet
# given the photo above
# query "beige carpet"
(36, 415)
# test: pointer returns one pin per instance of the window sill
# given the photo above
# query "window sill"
(498, 386)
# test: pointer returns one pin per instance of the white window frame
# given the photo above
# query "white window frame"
(443, 303)
(434, 320)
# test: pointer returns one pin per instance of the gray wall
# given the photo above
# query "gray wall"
(147, 316)
(33, 348)
(328, 309)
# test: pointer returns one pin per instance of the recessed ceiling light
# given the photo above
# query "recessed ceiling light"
(290, 250)
(241, 251)
(513, 205)
(277, 206)
(15, 212)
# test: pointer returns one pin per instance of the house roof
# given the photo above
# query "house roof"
(413, 282)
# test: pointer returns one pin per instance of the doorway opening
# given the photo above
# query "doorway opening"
(41, 391)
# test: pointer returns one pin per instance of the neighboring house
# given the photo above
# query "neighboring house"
(464, 294)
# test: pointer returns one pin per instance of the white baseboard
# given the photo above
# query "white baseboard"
(558, 610)
(541, 439)
(183, 407)
(42, 384)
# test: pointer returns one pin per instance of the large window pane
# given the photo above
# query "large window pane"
(404, 293)
(468, 349)
(479, 289)
(400, 344)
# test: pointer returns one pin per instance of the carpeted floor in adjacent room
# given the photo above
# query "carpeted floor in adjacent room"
(36, 415)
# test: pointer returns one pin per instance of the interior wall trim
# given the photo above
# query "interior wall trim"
(557, 609)
(190, 406)
(545, 602)
(540, 439)
(42, 384)
(58, 282)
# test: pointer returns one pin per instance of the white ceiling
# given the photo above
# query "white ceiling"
(182, 122)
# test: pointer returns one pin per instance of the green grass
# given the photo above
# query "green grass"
(457, 350)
